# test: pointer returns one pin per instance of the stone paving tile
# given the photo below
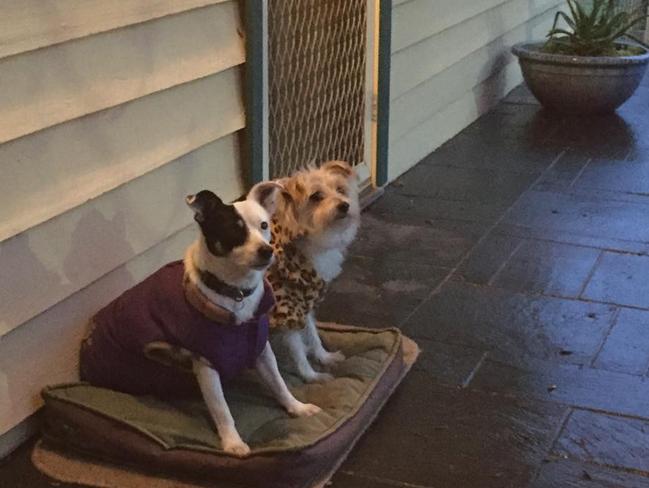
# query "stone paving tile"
(378, 292)
(487, 258)
(635, 114)
(605, 439)
(620, 278)
(513, 326)
(527, 126)
(352, 480)
(627, 346)
(440, 243)
(570, 237)
(394, 206)
(567, 384)
(597, 219)
(639, 153)
(567, 474)
(566, 170)
(448, 364)
(616, 175)
(547, 267)
(609, 136)
(439, 436)
(464, 184)
(480, 150)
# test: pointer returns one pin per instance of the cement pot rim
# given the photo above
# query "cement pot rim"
(531, 51)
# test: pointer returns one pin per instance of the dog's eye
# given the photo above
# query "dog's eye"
(316, 197)
(341, 190)
(264, 225)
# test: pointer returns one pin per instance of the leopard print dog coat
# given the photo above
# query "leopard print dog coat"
(296, 285)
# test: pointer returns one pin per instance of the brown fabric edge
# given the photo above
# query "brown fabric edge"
(199, 301)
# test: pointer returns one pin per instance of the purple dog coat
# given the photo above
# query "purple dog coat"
(163, 308)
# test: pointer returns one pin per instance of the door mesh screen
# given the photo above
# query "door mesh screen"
(316, 72)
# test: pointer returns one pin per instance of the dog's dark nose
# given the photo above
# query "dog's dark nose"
(265, 253)
(343, 207)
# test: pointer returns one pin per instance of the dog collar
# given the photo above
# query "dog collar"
(219, 286)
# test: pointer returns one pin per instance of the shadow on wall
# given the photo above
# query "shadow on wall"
(44, 349)
(24, 277)
(495, 86)
(486, 93)
(81, 257)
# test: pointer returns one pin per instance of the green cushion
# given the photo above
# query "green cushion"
(262, 423)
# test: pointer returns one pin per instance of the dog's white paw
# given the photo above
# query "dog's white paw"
(330, 358)
(300, 409)
(236, 447)
(318, 378)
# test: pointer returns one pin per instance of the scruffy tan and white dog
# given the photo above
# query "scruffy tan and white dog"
(316, 220)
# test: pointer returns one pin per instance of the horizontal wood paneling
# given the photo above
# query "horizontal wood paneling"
(55, 170)
(111, 113)
(54, 260)
(445, 123)
(31, 24)
(419, 62)
(416, 20)
(49, 86)
(408, 111)
(44, 351)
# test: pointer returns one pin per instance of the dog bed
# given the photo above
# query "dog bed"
(142, 441)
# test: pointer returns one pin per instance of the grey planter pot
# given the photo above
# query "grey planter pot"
(580, 84)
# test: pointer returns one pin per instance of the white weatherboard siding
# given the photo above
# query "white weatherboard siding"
(115, 112)
(97, 72)
(53, 260)
(32, 24)
(451, 62)
(44, 350)
(72, 162)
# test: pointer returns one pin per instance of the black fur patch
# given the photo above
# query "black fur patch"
(223, 227)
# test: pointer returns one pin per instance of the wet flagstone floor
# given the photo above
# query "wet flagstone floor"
(517, 255)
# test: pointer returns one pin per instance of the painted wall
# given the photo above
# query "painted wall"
(110, 114)
(450, 64)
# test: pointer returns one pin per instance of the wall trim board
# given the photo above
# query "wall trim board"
(383, 96)
(256, 92)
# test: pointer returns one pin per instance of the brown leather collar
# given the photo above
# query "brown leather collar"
(200, 302)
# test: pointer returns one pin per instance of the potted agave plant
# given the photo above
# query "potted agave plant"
(585, 67)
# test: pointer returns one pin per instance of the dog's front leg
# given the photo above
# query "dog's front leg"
(210, 384)
(267, 368)
(315, 347)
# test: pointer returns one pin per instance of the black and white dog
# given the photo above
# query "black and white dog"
(207, 314)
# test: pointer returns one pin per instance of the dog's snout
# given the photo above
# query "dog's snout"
(343, 207)
(265, 253)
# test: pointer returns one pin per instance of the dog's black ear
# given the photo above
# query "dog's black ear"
(203, 204)
(340, 167)
(266, 194)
